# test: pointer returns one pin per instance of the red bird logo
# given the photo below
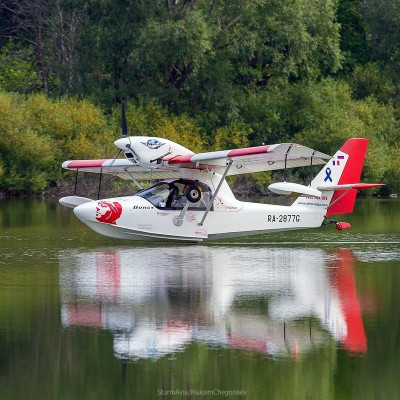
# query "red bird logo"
(108, 212)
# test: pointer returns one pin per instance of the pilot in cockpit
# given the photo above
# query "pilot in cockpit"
(179, 200)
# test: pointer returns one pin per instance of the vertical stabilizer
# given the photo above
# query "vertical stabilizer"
(341, 201)
(343, 168)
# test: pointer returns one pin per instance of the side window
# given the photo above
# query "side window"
(192, 193)
(156, 195)
(176, 194)
(205, 200)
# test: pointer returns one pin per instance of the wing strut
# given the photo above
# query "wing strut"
(228, 165)
(76, 181)
(178, 220)
(342, 195)
(311, 169)
(98, 191)
(286, 155)
(133, 179)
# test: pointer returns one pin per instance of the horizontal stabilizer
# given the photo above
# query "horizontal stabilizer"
(293, 189)
(73, 201)
(332, 188)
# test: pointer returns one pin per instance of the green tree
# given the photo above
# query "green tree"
(352, 34)
(382, 25)
(16, 73)
(49, 30)
(375, 80)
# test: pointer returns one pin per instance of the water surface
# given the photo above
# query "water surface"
(303, 315)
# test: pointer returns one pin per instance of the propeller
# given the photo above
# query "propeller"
(124, 124)
(124, 129)
(125, 144)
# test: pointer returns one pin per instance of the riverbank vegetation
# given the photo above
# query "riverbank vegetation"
(207, 74)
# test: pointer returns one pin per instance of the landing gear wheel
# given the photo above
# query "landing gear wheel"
(193, 194)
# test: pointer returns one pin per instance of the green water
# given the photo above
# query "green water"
(304, 315)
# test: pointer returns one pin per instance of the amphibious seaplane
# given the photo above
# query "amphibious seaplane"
(192, 201)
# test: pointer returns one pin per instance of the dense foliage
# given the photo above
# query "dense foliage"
(208, 74)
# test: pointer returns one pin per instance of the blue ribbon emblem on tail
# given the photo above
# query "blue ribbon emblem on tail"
(328, 172)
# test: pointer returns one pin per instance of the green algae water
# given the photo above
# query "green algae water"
(312, 314)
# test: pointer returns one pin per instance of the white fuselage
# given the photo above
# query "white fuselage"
(142, 221)
(138, 219)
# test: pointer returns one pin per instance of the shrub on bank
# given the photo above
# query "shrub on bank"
(37, 134)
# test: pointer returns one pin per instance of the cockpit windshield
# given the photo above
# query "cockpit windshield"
(175, 194)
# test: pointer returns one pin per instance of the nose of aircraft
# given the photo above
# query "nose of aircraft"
(121, 143)
(86, 212)
(105, 211)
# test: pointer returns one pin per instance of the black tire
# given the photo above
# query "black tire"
(193, 194)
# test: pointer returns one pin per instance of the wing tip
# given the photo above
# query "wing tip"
(77, 164)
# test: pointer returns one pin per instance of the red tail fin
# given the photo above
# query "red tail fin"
(356, 148)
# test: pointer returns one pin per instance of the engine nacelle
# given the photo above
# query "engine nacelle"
(149, 151)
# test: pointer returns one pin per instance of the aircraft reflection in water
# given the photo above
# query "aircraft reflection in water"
(156, 301)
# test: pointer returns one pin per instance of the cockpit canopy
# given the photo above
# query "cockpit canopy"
(175, 193)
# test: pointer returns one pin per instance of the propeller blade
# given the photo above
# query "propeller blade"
(124, 124)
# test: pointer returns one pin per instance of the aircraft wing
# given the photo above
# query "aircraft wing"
(121, 168)
(245, 160)
(251, 159)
